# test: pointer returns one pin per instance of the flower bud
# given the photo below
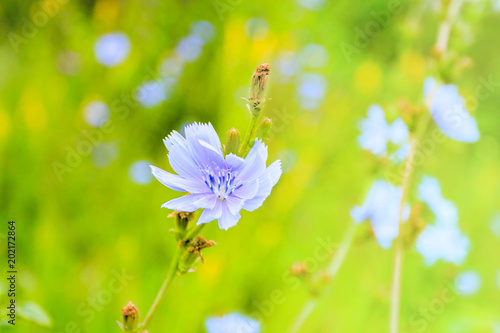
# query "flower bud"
(193, 253)
(130, 317)
(232, 141)
(264, 128)
(182, 220)
(258, 88)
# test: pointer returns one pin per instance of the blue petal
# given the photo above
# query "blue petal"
(198, 133)
(234, 204)
(255, 162)
(208, 215)
(374, 131)
(399, 133)
(227, 219)
(451, 116)
(266, 183)
(180, 156)
(191, 202)
(177, 183)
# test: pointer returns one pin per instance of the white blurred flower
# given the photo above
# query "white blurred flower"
(232, 323)
(112, 49)
(382, 208)
(139, 173)
(468, 283)
(445, 242)
(448, 110)
(311, 90)
(376, 133)
(152, 93)
(189, 48)
(96, 113)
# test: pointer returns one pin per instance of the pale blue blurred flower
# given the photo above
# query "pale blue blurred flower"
(448, 110)
(468, 283)
(313, 5)
(445, 242)
(140, 173)
(189, 48)
(382, 208)
(112, 49)
(204, 30)
(498, 280)
(287, 64)
(256, 28)
(221, 185)
(311, 90)
(376, 133)
(313, 55)
(429, 191)
(152, 93)
(496, 328)
(232, 323)
(96, 113)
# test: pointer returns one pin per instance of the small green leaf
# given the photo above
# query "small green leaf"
(33, 312)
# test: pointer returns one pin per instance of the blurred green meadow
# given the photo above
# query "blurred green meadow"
(91, 235)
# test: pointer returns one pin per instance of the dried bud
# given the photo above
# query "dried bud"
(258, 88)
(232, 141)
(182, 220)
(130, 317)
(193, 253)
(264, 128)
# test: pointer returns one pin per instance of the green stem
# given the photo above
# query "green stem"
(248, 136)
(172, 273)
(330, 273)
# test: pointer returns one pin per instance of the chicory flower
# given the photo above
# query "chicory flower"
(221, 185)
(232, 323)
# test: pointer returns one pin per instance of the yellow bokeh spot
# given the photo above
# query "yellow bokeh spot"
(367, 77)
(212, 271)
(106, 11)
(412, 65)
(33, 110)
(4, 125)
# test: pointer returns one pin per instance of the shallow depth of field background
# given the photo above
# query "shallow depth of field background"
(104, 215)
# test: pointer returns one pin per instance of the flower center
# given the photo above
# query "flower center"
(221, 182)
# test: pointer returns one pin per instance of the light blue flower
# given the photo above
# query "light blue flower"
(448, 110)
(468, 283)
(232, 323)
(382, 208)
(112, 49)
(442, 240)
(376, 133)
(314, 56)
(153, 93)
(429, 191)
(189, 48)
(445, 242)
(96, 113)
(139, 173)
(311, 90)
(221, 185)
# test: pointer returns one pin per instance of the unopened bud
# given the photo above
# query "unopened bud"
(264, 128)
(130, 317)
(193, 253)
(258, 88)
(232, 141)
(300, 269)
(182, 220)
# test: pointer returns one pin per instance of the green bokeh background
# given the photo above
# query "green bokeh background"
(73, 234)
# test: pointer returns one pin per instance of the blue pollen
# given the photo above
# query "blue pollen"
(221, 182)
